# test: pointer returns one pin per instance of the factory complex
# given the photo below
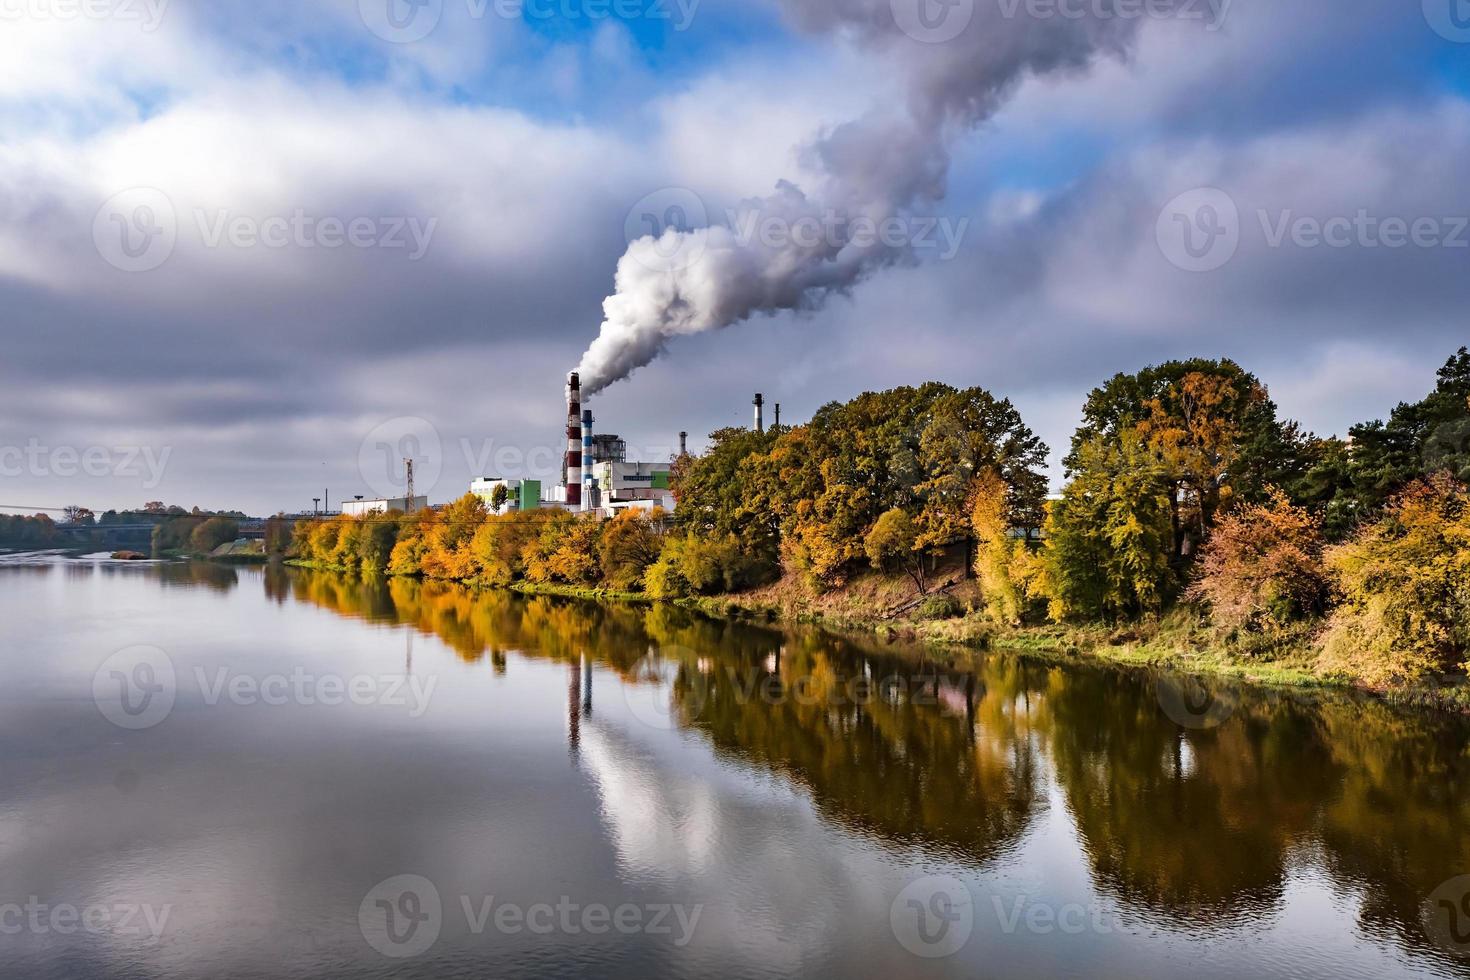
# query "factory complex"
(597, 476)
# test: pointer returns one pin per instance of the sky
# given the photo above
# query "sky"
(252, 252)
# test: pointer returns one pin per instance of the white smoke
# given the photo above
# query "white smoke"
(875, 170)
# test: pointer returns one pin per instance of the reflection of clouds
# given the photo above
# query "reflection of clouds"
(662, 826)
(782, 891)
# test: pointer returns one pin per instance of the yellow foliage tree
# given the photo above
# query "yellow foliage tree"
(1406, 587)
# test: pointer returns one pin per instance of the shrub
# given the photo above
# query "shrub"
(941, 606)
(663, 579)
(1263, 568)
(213, 533)
(1405, 581)
(174, 534)
(703, 565)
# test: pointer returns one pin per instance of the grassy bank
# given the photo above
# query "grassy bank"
(1182, 641)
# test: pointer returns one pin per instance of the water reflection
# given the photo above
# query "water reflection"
(1189, 828)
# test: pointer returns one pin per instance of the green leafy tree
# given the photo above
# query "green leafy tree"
(1108, 538)
(1214, 430)
(1419, 439)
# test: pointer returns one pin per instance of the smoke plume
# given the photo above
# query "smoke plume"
(879, 167)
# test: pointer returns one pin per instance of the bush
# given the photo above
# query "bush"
(663, 579)
(697, 565)
(213, 533)
(1405, 582)
(941, 606)
(174, 534)
(1263, 568)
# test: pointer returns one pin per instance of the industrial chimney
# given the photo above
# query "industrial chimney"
(760, 412)
(683, 444)
(574, 441)
(587, 459)
(778, 416)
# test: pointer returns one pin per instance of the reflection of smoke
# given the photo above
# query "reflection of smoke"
(874, 169)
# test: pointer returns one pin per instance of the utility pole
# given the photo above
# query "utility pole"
(408, 464)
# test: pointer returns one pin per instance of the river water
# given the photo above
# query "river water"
(218, 772)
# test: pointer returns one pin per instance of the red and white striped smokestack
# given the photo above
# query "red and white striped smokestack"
(574, 441)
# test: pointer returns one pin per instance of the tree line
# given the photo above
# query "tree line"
(1184, 487)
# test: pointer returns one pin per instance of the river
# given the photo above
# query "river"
(268, 772)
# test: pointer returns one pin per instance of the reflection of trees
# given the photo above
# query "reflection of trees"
(1187, 827)
(1397, 824)
(883, 745)
(186, 574)
(1191, 825)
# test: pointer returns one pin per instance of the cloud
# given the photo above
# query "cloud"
(257, 365)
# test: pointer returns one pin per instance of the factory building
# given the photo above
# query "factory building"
(519, 494)
(622, 484)
(597, 477)
(367, 508)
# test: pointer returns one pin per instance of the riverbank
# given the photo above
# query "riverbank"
(1181, 642)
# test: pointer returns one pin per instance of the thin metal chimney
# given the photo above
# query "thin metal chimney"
(760, 412)
(587, 459)
(574, 441)
(778, 416)
(683, 444)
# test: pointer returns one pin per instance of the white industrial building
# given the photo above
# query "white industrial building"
(366, 508)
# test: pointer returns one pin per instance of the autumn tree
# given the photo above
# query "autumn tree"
(212, 533)
(630, 543)
(1406, 607)
(1212, 427)
(893, 542)
(1263, 568)
(714, 495)
(447, 534)
(501, 542)
(993, 522)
